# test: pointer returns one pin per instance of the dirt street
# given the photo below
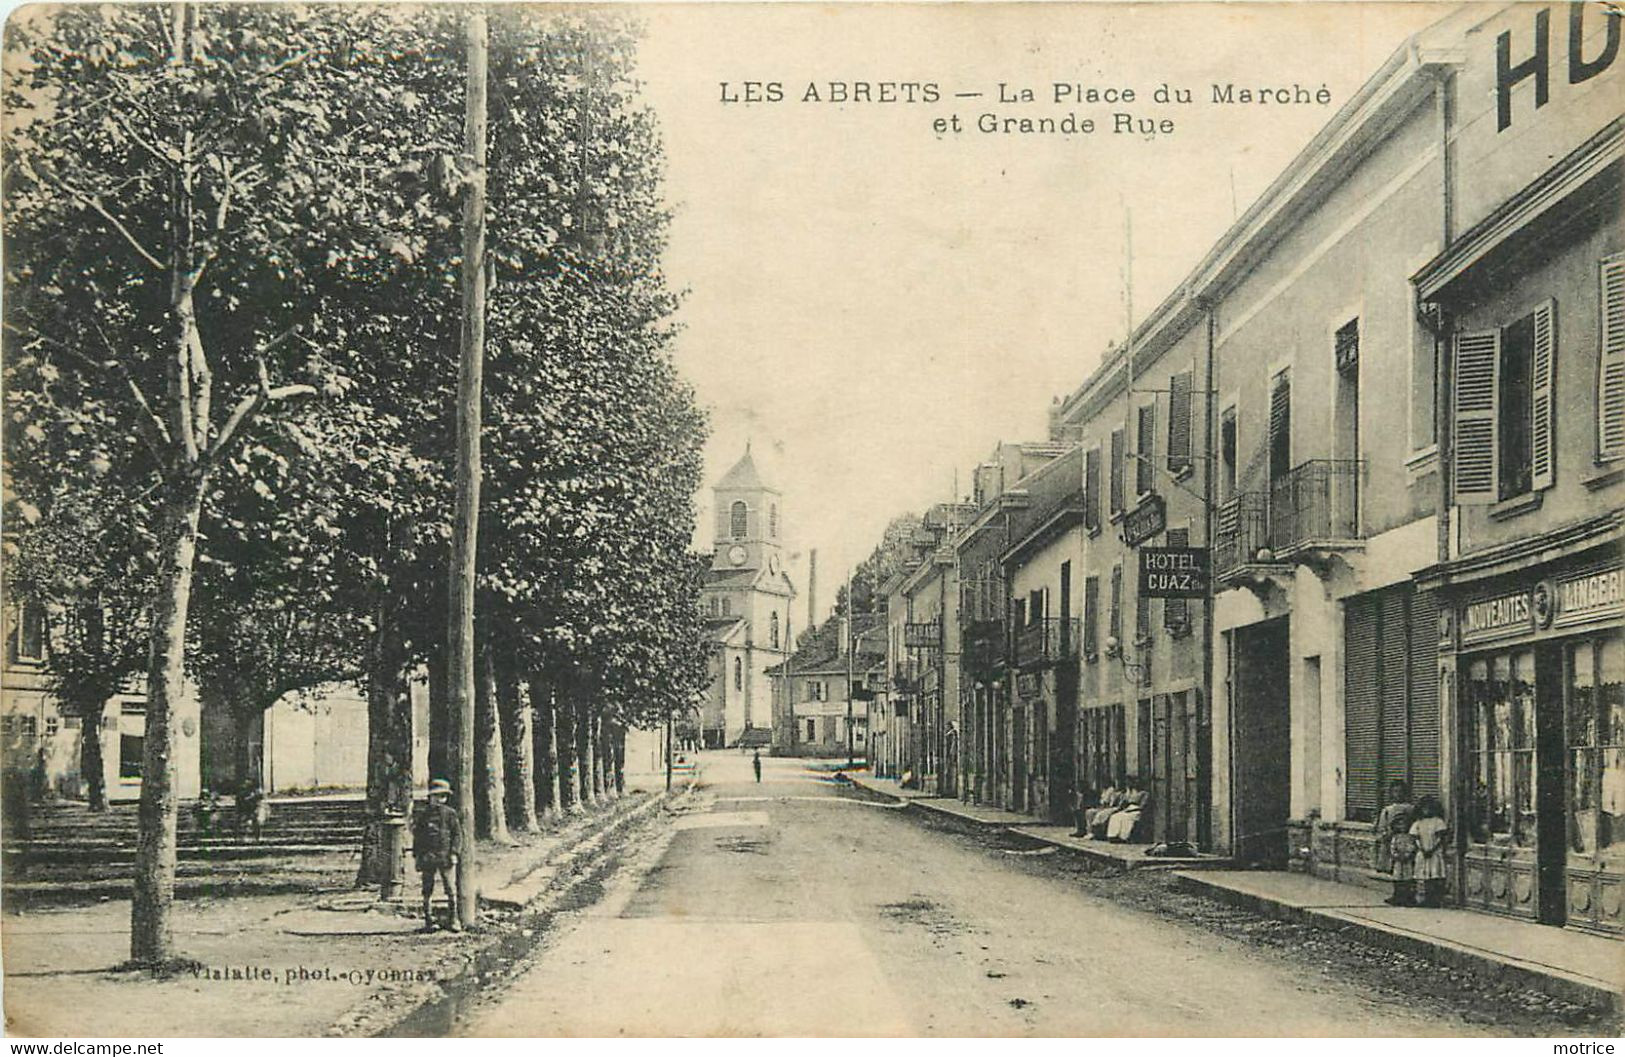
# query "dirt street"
(791, 907)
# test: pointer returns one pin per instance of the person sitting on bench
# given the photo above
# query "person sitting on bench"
(1120, 827)
(1096, 819)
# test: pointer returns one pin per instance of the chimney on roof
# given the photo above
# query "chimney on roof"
(812, 588)
(846, 636)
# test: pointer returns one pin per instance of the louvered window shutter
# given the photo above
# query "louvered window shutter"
(1176, 611)
(1611, 383)
(1145, 450)
(1091, 489)
(1114, 619)
(1474, 439)
(1543, 371)
(1179, 422)
(1091, 616)
(1280, 450)
(1117, 471)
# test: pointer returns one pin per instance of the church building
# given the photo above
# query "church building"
(747, 599)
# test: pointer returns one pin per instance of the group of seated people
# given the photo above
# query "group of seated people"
(1116, 812)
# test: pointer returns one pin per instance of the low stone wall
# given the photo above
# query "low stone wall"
(1338, 851)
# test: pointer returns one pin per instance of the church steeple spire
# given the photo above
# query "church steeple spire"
(748, 523)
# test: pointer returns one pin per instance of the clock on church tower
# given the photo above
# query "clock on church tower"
(749, 522)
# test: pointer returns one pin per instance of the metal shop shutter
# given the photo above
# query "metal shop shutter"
(1362, 704)
(1392, 679)
(1424, 694)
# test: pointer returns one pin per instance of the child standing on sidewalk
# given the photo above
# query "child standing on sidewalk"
(1396, 848)
(1430, 830)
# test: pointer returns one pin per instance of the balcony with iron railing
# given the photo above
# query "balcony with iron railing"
(1046, 642)
(905, 678)
(1311, 509)
(984, 649)
(1315, 504)
(1240, 532)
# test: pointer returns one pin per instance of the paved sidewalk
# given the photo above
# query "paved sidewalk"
(947, 806)
(1123, 856)
(1575, 966)
(1572, 965)
(890, 787)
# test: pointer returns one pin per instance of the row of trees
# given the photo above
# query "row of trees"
(231, 359)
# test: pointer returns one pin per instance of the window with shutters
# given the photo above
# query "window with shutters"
(1346, 346)
(1503, 435)
(1179, 423)
(29, 632)
(1611, 362)
(1114, 615)
(1227, 454)
(737, 520)
(1176, 613)
(1091, 490)
(1142, 619)
(1145, 450)
(1280, 424)
(1091, 618)
(1515, 417)
(1117, 472)
(1391, 697)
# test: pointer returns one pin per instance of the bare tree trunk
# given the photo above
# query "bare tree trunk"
(490, 782)
(603, 774)
(389, 749)
(92, 765)
(549, 804)
(248, 765)
(439, 716)
(619, 749)
(584, 739)
(564, 721)
(518, 747)
(152, 940)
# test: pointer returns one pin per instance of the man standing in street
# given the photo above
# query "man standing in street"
(437, 842)
(756, 765)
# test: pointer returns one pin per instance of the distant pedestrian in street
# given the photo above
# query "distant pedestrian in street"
(437, 844)
(756, 765)
(1429, 831)
(1396, 848)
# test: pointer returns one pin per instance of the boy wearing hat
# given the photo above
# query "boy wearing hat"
(437, 841)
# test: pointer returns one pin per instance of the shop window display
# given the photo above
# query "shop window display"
(1501, 692)
(1596, 741)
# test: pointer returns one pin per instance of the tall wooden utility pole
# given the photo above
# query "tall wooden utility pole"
(851, 617)
(460, 628)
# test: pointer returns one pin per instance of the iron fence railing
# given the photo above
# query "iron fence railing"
(1240, 531)
(984, 648)
(1045, 642)
(1316, 500)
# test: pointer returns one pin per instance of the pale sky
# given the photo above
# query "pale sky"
(875, 306)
